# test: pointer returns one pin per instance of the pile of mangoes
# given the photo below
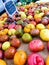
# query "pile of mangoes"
(31, 25)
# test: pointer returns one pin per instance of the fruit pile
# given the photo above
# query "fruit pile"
(31, 22)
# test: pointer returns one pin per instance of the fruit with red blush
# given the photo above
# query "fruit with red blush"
(1, 54)
(48, 46)
(0, 45)
(15, 42)
(35, 59)
(44, 21)
(36, 45)
(10, 52)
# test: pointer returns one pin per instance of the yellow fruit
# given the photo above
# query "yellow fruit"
(44, 34)
(47, 26)
(4, 15)
(30, 26)
(47, 60)
(26, 30)
(40, 26)
(23, 15)
(44, 8)
(25, 10)
(20, 58)
(2, 33)
(29, 17)
(37, 16)
(2, 62)
(41, 14)
(6, 31)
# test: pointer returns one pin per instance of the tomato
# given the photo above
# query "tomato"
(20, 58)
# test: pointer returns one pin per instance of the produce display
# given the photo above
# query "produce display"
(30, 28)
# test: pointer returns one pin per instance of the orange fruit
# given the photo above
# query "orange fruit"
(47, 26)
(2, 62)
(5, 31)
(26, 30)
(20, 58)
(47, 60)
(4, 15)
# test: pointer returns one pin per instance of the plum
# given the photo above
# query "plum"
(35, 59)
(36, 45)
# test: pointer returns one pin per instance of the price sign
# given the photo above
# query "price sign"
(10, 7)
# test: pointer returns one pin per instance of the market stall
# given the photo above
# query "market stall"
(24, 33)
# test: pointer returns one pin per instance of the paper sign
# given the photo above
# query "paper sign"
(10, 7)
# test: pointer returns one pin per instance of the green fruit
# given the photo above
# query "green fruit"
(5, 45)
(3, 21)
(19, 22)
(19, 32)
(11, 32)
(23, 3)
(26, 37)
(29, 16)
